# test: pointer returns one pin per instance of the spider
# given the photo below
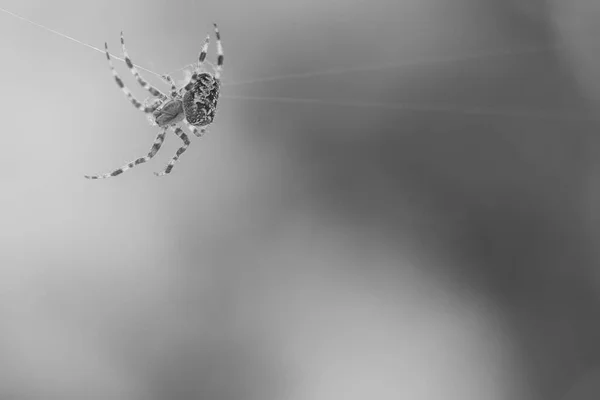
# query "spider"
(194, 104)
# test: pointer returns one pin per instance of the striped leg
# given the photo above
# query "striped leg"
(182, 149)
(154, 91)
(219, 53)
(198, 132)
(204, 50)
(201, 58)
(155, 147)
(167, 78)
(133, 101)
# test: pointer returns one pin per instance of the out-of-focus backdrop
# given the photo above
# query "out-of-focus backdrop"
(305, 249)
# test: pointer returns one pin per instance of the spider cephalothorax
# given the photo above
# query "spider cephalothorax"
(194, 104)
(168, 113)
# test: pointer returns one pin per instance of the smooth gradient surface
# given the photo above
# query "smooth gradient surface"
(443, 248)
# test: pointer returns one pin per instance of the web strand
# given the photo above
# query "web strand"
(436, 60)
(380, 105)
(333, 71)
(441, 108)
(72, 39)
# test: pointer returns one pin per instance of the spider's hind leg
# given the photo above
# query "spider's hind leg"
(220, 57)
(198, 132)
(155, 147)
(197, 68)
(182, 149)
(203, 51)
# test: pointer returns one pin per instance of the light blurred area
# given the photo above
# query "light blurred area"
(305, 250)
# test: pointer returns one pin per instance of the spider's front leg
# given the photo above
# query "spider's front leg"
(182, 149)
(167, 78)
(154, 91)
(132, 100)
(160, 138)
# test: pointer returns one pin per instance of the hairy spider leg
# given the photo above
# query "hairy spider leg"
(182, 149)
(204, 50)
(219, 68)
(160, 138)
(167, 78)
(154, 91)
(201, 58)
(198, 132)
(132, 99)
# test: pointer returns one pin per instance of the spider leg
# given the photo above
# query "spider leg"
(167, 78)
(198, 132)
(182, 149)
(155, 92)
(219, 53)
(204, 50)
(155, 147)
(120, 83)
(201, 58)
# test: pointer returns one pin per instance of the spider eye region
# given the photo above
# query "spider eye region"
(200, 100)
(170, 113)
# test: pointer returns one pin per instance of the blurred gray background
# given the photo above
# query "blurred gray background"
(438, 241)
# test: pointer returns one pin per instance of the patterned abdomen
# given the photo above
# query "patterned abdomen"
(200, 100)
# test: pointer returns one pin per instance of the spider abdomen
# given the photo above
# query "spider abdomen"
(200, 100)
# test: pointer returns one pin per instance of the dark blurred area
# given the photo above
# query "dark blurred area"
(509, 203)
